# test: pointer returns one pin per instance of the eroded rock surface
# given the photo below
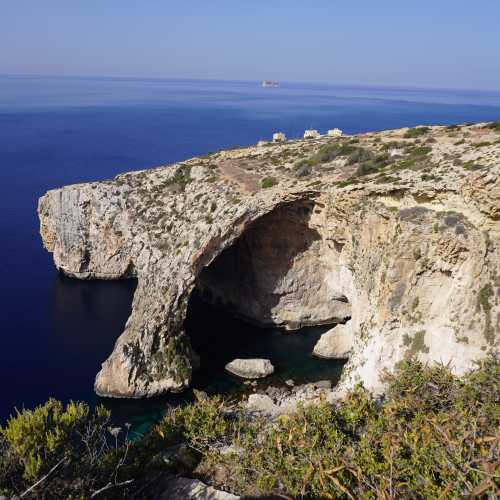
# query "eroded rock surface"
(336, 343)
(398, 231)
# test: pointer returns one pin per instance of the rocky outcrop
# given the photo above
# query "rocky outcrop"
(336, 343)
(183, 488)
(298, 233)
(250, 368)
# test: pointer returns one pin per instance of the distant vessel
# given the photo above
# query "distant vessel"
(270, 83)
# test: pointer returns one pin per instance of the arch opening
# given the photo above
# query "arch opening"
(277, 276)
(278, 273)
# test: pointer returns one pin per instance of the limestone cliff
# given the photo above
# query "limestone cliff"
(399, 230)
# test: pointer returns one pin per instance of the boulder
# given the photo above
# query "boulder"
(336, 343)
(183, 488)
(261, 403)
(250, 368)
(180, 457)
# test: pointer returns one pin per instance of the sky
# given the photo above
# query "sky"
(424, 43)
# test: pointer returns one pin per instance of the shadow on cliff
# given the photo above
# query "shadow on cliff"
(265, 268)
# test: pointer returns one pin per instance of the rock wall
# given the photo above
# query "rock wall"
(410, 251)
(276, 273)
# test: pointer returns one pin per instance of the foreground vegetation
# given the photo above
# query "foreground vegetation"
(432, 436)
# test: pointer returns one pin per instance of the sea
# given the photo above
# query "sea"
(55, 331)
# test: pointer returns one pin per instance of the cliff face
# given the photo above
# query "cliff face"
(401, 234)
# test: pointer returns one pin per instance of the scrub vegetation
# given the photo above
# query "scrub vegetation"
(432, 436)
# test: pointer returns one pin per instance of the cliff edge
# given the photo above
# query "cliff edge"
(397, 230)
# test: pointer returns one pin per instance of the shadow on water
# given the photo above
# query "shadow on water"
(84, 319)
(218, 338)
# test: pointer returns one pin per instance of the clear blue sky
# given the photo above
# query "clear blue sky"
(436, 43)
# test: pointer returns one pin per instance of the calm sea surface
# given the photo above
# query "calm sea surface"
(55, 332)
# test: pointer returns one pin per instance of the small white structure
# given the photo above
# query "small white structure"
(261, 144)
(311, 134)
(335, 132)
(279, 137)
(394, 152)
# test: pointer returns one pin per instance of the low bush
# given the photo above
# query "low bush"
(359, 155)
(413, 133)
(303, 168)
(181, 177)
(67, 451)
(268, 182)
(494, 126)
(433, 435)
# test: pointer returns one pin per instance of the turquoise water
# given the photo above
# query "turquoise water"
(219, 338)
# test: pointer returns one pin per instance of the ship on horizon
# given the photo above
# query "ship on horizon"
(270, 83)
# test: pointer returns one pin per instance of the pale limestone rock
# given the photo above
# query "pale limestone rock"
(261, 403)
(336, 343)
(250, 368)
(411, 255)
(183, 488)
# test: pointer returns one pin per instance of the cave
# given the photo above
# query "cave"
(276, 277)
(278, 273)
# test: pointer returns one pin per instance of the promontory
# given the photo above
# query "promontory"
(396, 231)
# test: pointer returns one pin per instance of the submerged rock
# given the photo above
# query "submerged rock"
(250, 368)
(336, 343)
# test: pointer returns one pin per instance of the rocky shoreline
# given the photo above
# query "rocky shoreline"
(398, 230)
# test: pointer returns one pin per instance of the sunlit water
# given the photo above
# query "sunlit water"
(55, 331)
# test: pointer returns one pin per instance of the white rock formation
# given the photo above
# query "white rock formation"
(411, 253)
(336, 343)
(250, 368)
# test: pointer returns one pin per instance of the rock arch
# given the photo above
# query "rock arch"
(419, 266)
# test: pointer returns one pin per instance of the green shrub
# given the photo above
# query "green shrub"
(302, 168)
(359, 155)
(71, 447)
(268, 182)
(495, 126)
(413, 133)
(43, 436)
(431, 437)
(181, 177)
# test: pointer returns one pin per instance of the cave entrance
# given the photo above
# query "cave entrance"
(278, 275)
(279, 272)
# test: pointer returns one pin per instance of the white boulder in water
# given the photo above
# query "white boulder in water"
(250, 368)
(336, 343)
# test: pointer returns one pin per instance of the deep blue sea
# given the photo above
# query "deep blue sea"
(55, 331)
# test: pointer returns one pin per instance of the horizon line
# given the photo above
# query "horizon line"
(310, 82)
